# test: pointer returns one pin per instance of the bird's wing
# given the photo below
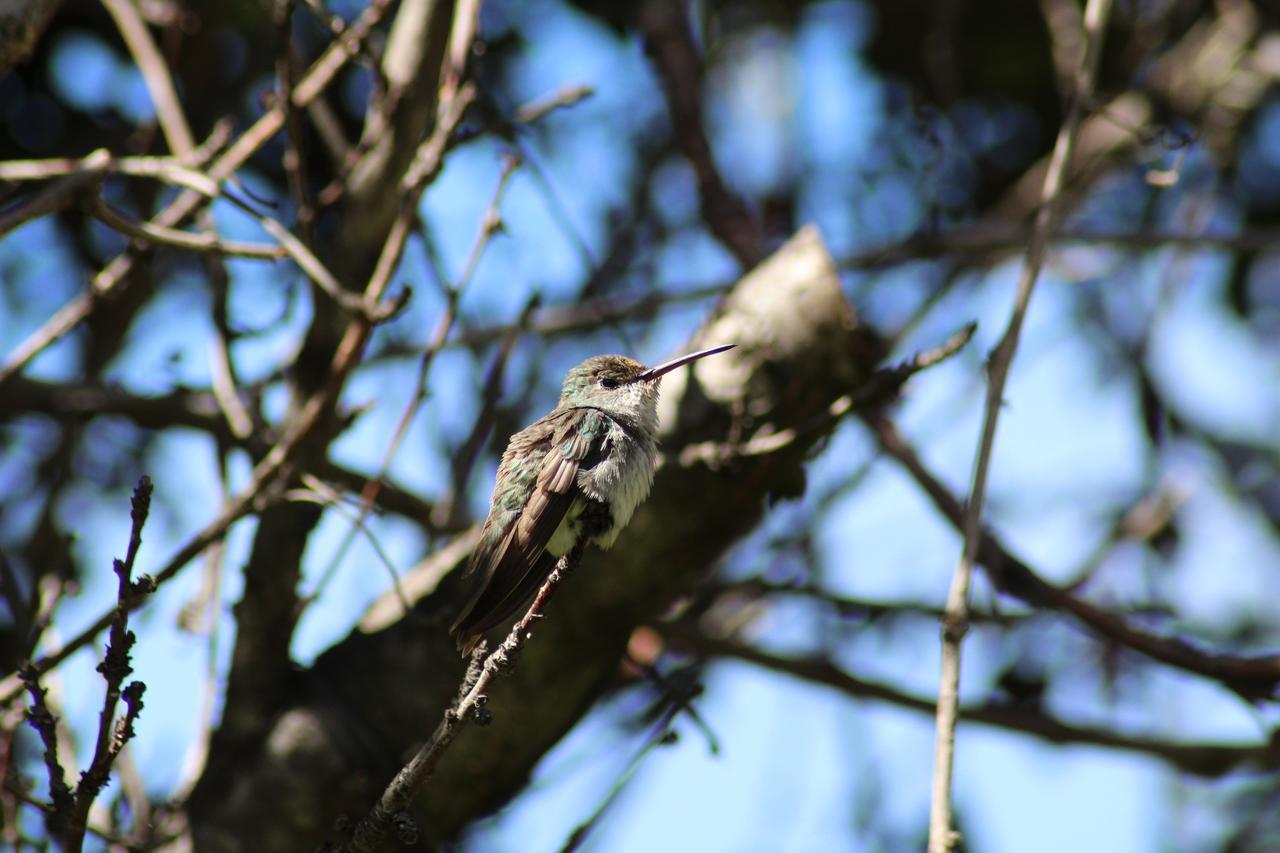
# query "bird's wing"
(519, 564)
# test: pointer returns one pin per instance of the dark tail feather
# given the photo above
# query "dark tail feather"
(493, 609)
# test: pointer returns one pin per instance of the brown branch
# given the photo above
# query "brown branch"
(465, 456)
(668, 39)
(391, 807)
(976, 242)
(868, 610)
(202, 615)
(197, 410)
(453, 104)
(1252, 678)
(257, 683)
(179, 239)
(155, 72)
(222, 369)
(112, 278)
(790, 318)
(103, 162)
(61, 195)
(426, 165)
(880, 388)
(942, 837)
(985, 241)
(47, 810)
(115, 668)
(69, 814)
(255, 497)
(567, 97)
(420, 90)
(1208, 760)
(295, 166)
(41, 718)
(290, 245)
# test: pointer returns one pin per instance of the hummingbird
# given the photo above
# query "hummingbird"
(573, 476)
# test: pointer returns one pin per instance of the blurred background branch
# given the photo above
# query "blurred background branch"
(308, 265)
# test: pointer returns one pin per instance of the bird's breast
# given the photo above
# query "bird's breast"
(622, 479)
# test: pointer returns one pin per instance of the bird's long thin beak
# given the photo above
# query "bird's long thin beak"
(668, 366)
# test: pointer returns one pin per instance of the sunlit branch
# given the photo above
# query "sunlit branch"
(942, 838)
(115, 274)
(155, 72)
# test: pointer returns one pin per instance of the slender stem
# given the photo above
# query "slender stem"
(942, 837)
(472, 697)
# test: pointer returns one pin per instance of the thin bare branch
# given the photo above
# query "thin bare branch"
(68, 816)
(111, 277)
(880, 388)
(472, 697)
(1209, 760)
(295, 166)
(180, 239)
(1252, 678)
(566, 97)
(942, 837)
(59, 196)
(155, 71)
(671, 46)
(116, 666)
(491, 223)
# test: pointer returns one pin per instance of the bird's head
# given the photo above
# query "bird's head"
(621, 385)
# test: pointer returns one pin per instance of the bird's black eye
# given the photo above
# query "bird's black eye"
(608, 382)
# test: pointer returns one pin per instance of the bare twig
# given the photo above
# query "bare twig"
(259, 492)
(566, 97)
(115, 667)
(662, 734)
(670, 43)
(848, 607)
(1145, 520)
(179, 239)
(207, 622)
(262, 489)
(114, 275)
(464, 458)
(881, 387)
(470, 704)
(44, 722)
(155, 72)
(295, 166)
(69, 815)
(554, 320)
(222, 369)
(490, 225)
(319, 492)
(59, 196)
(427, 162)
(291, 245)
(195, 410)
(1209, 760)
(1252, 678)
(133, 792)
(942, 838)
(978, 243)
